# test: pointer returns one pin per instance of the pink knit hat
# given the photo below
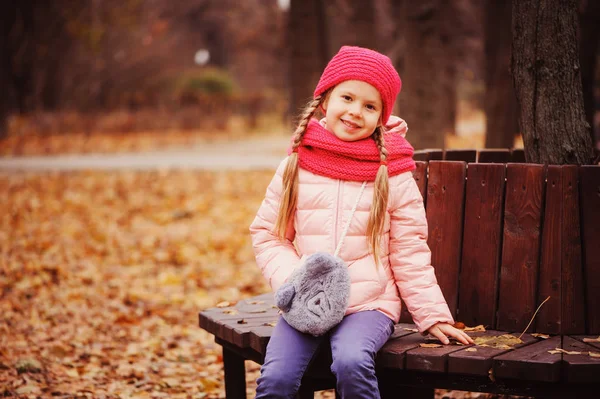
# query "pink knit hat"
(357, 63)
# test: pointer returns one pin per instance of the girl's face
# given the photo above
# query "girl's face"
(353, 110)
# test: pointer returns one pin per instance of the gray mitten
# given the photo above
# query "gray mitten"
(315, 297)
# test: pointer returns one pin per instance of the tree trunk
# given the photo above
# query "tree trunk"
(501, 110)
(308, 50)
(421, 101)
(547, 79)
(589, 36)
(362, 26)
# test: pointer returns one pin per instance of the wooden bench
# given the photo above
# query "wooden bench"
(504, 237)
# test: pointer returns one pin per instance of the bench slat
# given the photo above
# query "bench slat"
(393, 353)
(494, 155)
(460, 155)
(572, 288)
(430, 359)
(548, 318)
(582, 367)
(589, 178)
(420, 175)
(480, 360)
(481, 244)
(532, 363)
(520, 249)
(445, 199)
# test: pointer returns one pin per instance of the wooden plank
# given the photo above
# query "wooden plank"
(445, 199)
(421, 155)
(580, 368)
(436, 154)
(517, 155)
(393, 353)
(259, 338)
(589, 186)
(478, 360)
(235, 375)
(460, 155)
(433, 360)
(493, 155)
(481, 244)
(239, 333)
(420, 175)
(530, 363)
(520, 246)
(572, 288)
(548, 318)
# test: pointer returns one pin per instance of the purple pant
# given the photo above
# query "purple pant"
(354, 344)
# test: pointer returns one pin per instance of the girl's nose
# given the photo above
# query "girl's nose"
(354, 109)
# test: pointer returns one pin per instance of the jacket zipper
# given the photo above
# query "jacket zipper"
(337, 217)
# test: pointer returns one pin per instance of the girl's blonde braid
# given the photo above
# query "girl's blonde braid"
(380, 197)
(289, 195)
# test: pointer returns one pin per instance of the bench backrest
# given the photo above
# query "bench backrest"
(504, 237)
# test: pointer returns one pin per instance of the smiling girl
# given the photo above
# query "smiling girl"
(310, 200)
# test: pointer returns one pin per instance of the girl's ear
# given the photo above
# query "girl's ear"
(324, 104)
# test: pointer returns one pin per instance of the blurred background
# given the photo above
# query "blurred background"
(153, 73)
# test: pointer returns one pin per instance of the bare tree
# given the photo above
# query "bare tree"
(501, 110)
(547, 78)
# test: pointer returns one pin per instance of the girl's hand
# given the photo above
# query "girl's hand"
(444, 330)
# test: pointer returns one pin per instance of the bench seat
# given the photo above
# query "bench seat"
(516, 247)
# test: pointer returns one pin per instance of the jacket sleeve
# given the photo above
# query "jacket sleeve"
(276, 258)
(410, 257)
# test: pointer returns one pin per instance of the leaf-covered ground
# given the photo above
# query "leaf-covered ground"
(102, 276)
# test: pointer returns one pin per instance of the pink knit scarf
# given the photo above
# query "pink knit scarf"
(322, 153)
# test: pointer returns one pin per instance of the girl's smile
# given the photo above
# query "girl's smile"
(352, 110)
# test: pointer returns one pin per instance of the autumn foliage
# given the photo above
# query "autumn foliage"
(102, 276)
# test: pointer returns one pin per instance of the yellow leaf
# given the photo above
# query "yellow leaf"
(230, 311)
(72, 373)
(479, 328)
(223, 304)
(430, 345)
(471, 349)
(411, 329)
(594, 354)
(270, 324)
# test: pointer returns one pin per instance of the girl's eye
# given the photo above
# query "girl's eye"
(371, 107)
(347, 98)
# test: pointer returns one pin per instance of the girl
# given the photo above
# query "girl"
(309, 201)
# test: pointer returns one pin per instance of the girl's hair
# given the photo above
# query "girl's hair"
(289, 195)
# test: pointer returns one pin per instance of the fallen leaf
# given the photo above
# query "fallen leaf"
(460, 325)
(594, 354)
(505, 341)
(591, 339)
(411, 329)
(270, 324)
(255, 302)
(230, 311)
(479, 328)
(223, 304)
(471, 349)
(242, 321)
(560, 350)
(430, 345)
(538, 335)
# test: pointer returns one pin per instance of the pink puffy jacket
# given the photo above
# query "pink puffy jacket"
(324, 205)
